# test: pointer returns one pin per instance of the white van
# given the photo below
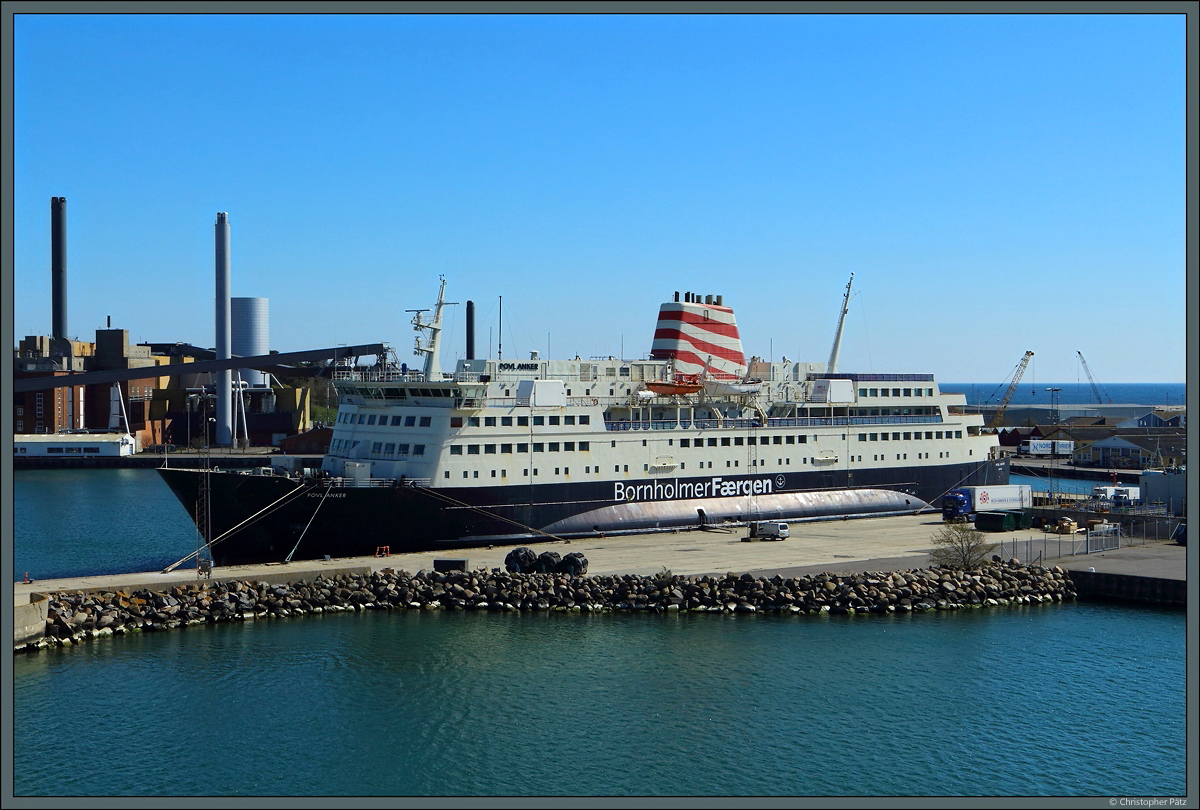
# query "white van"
(769, 530)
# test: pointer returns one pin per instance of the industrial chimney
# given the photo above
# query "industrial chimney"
(470, 330)
(58, 267)
(224, 415)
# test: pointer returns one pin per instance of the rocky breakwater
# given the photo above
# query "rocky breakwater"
(75, 617)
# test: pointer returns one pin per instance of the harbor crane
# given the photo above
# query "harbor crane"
(1012, 388)
(1095, 387)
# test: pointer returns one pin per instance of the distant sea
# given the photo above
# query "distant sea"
(1035, 393)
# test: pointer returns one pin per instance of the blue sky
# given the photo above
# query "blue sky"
(995, 183)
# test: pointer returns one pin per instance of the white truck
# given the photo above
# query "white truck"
(768, 530)
(962, 503)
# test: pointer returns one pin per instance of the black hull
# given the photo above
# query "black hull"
(312, 519)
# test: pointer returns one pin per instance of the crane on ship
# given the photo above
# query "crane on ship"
(1012, 389)
(1095, 387)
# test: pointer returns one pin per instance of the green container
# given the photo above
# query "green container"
(1024, 520)
(995, 521)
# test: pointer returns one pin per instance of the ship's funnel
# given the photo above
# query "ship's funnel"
(689, 332)
(58, 266)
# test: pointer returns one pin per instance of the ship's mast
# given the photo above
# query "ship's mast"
(430, 346)
(837, 338)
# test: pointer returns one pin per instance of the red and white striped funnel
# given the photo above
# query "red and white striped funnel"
(690, 332)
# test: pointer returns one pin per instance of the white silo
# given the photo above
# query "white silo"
(251, 334)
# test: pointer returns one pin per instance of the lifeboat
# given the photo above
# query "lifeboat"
(680, 385)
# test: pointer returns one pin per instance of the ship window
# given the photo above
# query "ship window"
(447, 473)
(724, 441)
(917, 392)
(493, 473)
(568, 446)
(802, 439)
(587, 469)
(908, 436)
(539, 420)
(403, 449)
(908, 392)
(626, 468)
(728, 463)
(645, 467)
(395, 421)
(472, 449)
(624, 371)
(489, 421)
(475, 474)
(418, 449)
(505, 421)
(506, 448)
(897, 457)
(568, 420)
(585, 419)
(895, 437)
(874, 437)
(685, 442)
(862, 437)
(456, 449)
(874, 392)
(616, 468)
(614, 444)
(389, 448)
(895, 392)
(464, 473)
(522, 421)
(376, 447)
(939, 435)
(712, 442)
(553, 447)
(958, 434)
(583, 446)
(362, 418)
(883, 392)
(409, 421)
(929, 434)
(789, 439)
(883, 437)
(489, 449)
(522, 447)
(371, 419)
(539, 447)
(862, 392)
(928, 392)
(610, 392)
(553, 420)
(472, 421)
(556, 470)
(612, 372)
(751, 440)
(778, 440)
(737, 440)
(504, 473)
(535, 470)
(643, 442)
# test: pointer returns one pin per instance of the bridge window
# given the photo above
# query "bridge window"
(409, 421)
(456, 450)
(553, 420)
(505, 421)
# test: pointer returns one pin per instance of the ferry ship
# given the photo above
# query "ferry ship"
(517, 451)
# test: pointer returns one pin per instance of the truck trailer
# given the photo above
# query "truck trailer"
(963, 503)
(1047, 448)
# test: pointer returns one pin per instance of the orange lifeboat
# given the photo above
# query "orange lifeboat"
(682, 384)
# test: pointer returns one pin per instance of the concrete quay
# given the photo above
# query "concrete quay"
(836, 547)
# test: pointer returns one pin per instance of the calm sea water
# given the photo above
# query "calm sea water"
(1076, 393)
(1047, 700)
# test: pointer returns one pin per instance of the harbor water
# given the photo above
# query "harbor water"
(1044, 700)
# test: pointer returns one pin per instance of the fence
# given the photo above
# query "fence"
(1103, 538)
